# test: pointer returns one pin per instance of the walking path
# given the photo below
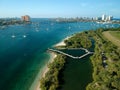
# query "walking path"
(71, 56)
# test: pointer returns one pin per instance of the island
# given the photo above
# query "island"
(14, 21)
(105, 60)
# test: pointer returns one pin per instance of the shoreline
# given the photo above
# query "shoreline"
(62, 43)
(52, 57)
(45, 70)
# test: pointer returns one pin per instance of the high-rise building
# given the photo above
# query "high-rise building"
(103, 17)
(26, 18)
(110, 18)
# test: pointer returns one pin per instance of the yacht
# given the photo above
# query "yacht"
(13, 36)
(24, 36)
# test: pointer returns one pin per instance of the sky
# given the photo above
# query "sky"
(59, 8)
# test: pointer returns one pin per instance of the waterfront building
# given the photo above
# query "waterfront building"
(103, 17)
(98, 18)
(26, 18)
(110, 18)
(106, 18)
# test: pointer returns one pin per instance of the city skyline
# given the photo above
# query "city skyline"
(59, 8)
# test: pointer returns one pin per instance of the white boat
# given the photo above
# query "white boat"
(24, 36)
(13, 36)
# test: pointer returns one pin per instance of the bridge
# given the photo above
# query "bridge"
(71, 56)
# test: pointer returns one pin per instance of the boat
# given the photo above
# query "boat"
(24, 36)
(13, 36)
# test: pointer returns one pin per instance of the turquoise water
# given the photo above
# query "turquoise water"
(21, 58)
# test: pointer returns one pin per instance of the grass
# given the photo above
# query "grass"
(113, 36)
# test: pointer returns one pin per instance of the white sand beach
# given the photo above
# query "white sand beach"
(45, 70)
(53, 56)
(62, 43)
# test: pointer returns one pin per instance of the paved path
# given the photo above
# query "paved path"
(71, 56)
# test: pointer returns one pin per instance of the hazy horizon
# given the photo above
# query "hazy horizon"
(59, 8)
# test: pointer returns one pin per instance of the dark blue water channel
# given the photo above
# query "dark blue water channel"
(77, 72)
(21, 58)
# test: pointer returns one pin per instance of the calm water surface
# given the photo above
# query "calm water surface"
(22, 57)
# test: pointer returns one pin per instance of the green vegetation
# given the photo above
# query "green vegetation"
(79, 40)
(106, 63)
(115, 34)
(51, 80)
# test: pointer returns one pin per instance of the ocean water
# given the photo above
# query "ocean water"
(23, 49)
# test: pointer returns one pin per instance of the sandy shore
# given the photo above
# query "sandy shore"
(62, 43)
(53, 56)
(45, 69)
